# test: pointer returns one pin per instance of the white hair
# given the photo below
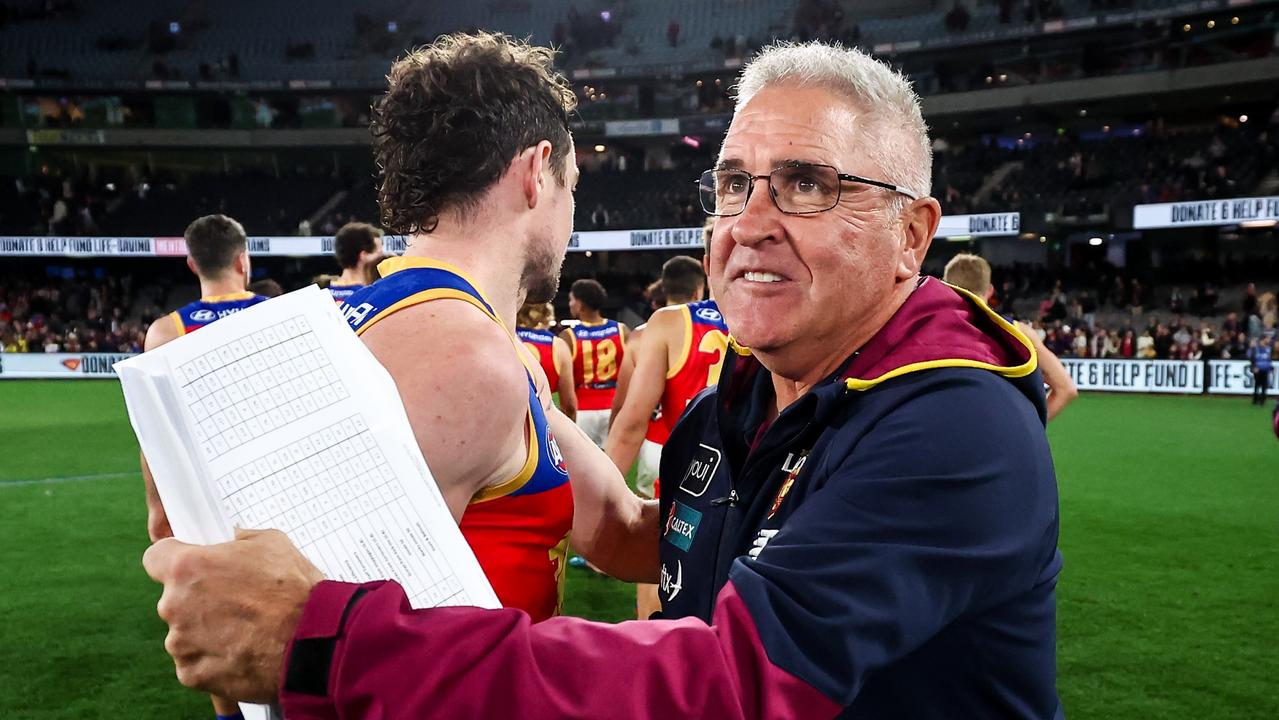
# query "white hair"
(901, 148)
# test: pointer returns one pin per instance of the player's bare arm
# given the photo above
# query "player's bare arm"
(626, 366)
(466, 397)
(613, 527)
(648, 380)
(569, 339)
(625, 370)
(564, 368)
(1061, 389)
(162, 331)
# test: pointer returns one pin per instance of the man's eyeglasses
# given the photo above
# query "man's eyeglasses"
(797, 189)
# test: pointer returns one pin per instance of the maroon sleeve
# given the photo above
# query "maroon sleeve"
(361, 651)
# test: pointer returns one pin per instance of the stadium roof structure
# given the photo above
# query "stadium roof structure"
(163, 44)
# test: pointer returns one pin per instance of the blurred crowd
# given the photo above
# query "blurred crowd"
(66, 313)
(1181, 338)
(1114, 316)
(1124, 324)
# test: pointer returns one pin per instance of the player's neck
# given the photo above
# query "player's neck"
(222, 286)
(495, 269)
(590, 318)
(671, 302)
(352, 276)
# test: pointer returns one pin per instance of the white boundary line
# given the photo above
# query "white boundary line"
(67, 479)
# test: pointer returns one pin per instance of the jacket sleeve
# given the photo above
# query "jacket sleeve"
(893, 547)
(360, 651)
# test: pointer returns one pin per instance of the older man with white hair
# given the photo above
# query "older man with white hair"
(861, 520)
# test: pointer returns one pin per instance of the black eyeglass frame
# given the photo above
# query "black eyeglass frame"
(772, 193)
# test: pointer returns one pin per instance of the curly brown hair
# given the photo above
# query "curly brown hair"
(455, 114)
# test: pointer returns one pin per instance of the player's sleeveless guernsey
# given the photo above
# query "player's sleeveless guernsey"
(341, 292)
(597, 354)
(705, 342)
(519, 528)
(542, 344)
(193, 316)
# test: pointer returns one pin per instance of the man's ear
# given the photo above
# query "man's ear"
(191, 266)
(919, 225)
(534, 165)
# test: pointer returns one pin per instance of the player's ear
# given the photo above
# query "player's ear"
(534, 164)
(191, 266)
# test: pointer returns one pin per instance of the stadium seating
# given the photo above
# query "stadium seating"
(1092, 176)
(1068, 174)
(344, 51)
(162, 205)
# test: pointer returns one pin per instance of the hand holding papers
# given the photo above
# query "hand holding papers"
(279, 417)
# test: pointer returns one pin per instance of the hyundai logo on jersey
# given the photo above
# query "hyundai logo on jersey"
(710, 315)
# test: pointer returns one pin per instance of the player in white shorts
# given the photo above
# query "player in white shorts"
(599, 350)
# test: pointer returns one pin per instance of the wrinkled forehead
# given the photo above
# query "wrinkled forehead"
(786, 123)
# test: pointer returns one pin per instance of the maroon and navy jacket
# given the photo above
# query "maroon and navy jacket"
(885, 548)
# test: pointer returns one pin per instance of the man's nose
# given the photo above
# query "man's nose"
(758, 221)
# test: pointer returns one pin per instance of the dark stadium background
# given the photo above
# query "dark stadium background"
(131, 119)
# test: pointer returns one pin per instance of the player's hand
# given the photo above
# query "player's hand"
(232, 609)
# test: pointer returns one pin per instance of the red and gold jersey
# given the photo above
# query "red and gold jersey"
(193, 316)
(701, 357)
(542, 344)
(597, 354)
(519, 528)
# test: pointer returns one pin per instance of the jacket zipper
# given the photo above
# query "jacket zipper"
(736, 513)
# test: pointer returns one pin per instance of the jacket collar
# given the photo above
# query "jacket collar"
(939, 326)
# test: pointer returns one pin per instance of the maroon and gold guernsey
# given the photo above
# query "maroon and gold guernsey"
(701, 358)
(518, 528)
(193, 316)
(341, 292)
(542, 344)
(597, 355)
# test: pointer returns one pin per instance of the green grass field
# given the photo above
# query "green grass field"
(1169, 602)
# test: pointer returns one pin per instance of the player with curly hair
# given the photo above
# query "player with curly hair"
(477, 166)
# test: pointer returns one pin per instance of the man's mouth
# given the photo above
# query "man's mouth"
(762, 276)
